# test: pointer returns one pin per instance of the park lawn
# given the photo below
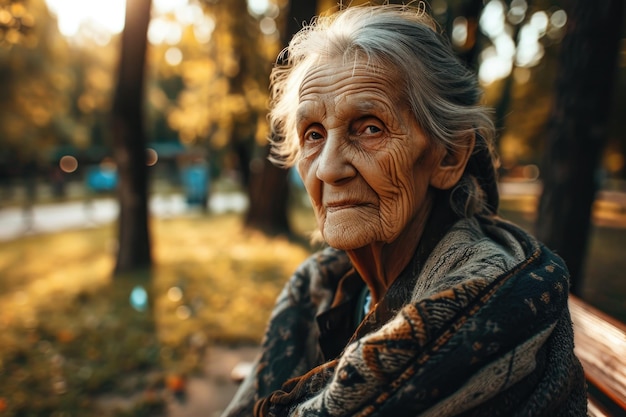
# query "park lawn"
(70, 334)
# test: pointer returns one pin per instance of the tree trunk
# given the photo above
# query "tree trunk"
(577, 129)
(268, 191)
(268, 194)
(129, 142)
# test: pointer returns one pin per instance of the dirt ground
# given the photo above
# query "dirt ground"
(207, 395)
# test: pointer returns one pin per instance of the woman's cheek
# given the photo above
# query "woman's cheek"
(306, 169)
(397, 206)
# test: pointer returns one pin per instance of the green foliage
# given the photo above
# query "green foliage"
(51, 93)
(16, 24)
(224, 94)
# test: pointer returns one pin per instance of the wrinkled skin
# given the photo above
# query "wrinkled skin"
(368, 167)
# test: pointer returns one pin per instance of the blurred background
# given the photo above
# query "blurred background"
(143, 234)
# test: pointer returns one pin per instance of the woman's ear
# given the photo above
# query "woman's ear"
(451, 164)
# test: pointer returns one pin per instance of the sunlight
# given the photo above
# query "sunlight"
(498, 60)
(258, 7)
(167, 6)
(100, 19)
(101, 15)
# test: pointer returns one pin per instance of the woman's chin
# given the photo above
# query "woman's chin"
(344, 240)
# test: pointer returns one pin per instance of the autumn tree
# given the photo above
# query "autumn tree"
(577, 129)
(129, 142)
(28, 95)
(35, 106)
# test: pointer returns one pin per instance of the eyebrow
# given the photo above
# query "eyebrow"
(301, 116)
(365, 106)
(369, 105)
(304, 110)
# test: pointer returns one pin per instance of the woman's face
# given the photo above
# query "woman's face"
(365, 162)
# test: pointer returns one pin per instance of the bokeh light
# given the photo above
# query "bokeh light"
(157, 30)
(496, 22)
(139, 298)
(68, 164)
(174, 33)
(492, 19)
(166, 6)
(173, 56)
(267, 26)
(203, 30)
(152, 157)
(175, 294)
(558, 19)
(517, 11)
(459, 31)
(529, 50)
(531, 172)
(258, 7)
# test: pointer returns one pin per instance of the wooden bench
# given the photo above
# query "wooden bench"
(600, 344)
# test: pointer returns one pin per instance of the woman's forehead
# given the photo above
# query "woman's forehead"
(338, 76)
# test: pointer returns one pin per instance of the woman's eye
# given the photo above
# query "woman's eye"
(368, 127)
(314, 136)
(371, 130)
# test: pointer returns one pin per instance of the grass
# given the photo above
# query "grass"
(71, 340)
(70, 336)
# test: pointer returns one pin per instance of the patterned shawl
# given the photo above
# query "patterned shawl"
(482, 328)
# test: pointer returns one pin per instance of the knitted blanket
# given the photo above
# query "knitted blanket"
(482, 328)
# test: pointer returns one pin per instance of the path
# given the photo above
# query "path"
(208, 394)
(53, 217)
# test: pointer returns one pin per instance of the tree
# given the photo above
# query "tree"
(16, 23)
(129, 141)
(577, 129)
(269, 187)
(33, 61)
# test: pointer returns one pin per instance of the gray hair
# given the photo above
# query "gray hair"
(443, 94)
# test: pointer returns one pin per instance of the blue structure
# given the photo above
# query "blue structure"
(101, 179)
(196, 183)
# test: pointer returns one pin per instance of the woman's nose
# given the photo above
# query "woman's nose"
(335, 160)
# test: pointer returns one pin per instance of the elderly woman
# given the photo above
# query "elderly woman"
(425, 302)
